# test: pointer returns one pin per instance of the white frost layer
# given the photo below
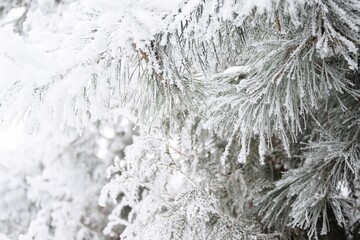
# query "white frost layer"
(237, 69)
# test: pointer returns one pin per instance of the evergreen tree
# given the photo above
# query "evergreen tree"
(248, 111)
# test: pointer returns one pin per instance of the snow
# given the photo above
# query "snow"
(12, 137)
(66, 77)
(13, 15)
(237, 70)
(3, 237)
